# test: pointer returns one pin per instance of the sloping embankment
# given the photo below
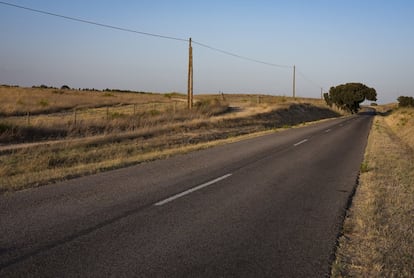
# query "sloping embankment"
(42, 162)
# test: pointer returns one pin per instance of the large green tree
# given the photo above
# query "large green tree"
(349, 96)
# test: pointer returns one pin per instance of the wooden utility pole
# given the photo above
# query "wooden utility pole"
(190, 76)
(294, 81)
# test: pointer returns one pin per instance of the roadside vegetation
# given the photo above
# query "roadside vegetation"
(378, 233)
(49, 134)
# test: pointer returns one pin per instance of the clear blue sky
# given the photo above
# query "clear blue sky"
(330, 41)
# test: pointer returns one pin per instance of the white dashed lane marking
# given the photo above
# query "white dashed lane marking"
(182, 194)
(301, 142)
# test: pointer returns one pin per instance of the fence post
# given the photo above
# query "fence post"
(75, 116)
(28, 118)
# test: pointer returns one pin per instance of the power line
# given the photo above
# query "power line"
(307, 79)
(92, 22)
(155, 35)
(240, 56)
(142, 33)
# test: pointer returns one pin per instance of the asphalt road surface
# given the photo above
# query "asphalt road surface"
(271, 206)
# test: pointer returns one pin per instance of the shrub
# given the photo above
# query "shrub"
(211, 106)
(5, 127)
(404, 101)
(43, 102)
(364, 167)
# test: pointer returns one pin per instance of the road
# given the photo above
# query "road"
(271, 206)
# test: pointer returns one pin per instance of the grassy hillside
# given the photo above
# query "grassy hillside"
(378, 239)
(70, 133)
(17, 101)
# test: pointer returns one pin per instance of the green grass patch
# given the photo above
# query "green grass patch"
(364, 167)
(44, 102)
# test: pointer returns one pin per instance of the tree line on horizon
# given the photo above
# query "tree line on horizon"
(66, 87)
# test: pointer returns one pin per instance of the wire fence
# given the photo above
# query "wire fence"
(78, 116)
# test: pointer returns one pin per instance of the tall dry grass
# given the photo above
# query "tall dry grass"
(401, 122)
(31, 114)
(64, 144)
(20, 100)
(378, 233)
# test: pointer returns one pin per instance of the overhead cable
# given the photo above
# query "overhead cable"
(93, 22)
(239, 56)
(142, 33)
(307, 79)
(154, 35)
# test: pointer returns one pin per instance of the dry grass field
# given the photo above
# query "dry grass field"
(20, 100)
(49, 135)
(70, 133)
(378, 233)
